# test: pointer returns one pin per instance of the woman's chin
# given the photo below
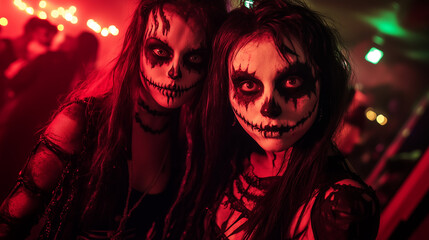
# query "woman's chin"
(273, 145)
(170, 103)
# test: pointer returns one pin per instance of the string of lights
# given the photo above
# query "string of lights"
(45, 10)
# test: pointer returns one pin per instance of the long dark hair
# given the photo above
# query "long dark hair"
(219, 148)
(118, 88)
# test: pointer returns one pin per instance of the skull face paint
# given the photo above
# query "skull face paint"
(273, 93)
(173, 59)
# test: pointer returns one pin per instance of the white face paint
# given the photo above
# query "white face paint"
(172, 60)
(274, 99)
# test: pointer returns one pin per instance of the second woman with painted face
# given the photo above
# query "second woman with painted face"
(110, 163)
(265, 163)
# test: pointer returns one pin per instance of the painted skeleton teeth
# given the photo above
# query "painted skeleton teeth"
(271, 134)
(171, 90)
(274, 131)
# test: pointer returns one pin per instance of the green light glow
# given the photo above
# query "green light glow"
(374, 55)
(386, 22)
(420, 55)
(248, 3)
(378, 40)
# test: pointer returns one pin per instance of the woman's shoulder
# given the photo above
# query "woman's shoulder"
(69, 125)
(346, 209)
(342, 207)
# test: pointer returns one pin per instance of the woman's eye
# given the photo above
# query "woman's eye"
(292, 82)
(195, 59)
(249, 87)
(160, 52)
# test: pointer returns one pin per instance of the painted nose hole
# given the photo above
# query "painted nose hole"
(271, 109)
(175, 73)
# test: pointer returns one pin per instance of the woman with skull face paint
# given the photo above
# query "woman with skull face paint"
(110, 163)
(267, 165)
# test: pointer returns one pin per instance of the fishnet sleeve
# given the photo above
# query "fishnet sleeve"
(58, 145)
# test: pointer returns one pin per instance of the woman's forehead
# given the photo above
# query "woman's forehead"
(185, 13)
(171, 27)
(261, 51)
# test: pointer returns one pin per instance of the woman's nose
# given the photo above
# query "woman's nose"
(271, 109)
(174, 72)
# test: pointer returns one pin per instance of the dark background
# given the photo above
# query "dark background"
(395, 87)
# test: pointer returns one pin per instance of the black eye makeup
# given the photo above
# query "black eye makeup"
(157, 52)
(195, 59)
(247, 88)
(292, 82)
(162, 53)
(296, 81)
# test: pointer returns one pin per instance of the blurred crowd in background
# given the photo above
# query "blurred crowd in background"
(37, 70)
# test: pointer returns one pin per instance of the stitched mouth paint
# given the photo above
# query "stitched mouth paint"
(172, 90)
(274, 131)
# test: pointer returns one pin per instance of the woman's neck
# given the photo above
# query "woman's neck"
(151, 116)
(149, 167)
(270, 163)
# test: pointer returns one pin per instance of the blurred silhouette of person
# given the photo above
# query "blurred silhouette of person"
(16, 53)
(83, 49)
(353, 123)
(350, 136)
(85, 56)
(38, 88)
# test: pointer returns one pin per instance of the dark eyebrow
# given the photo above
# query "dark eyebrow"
(240, 74)
(293, 69)
(157, 41)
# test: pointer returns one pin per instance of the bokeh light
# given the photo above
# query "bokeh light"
(42, 4)
(72, 9)
(42, 15)
(381, 119)
(29, 10)
(370, 114)
(55, 13)
(93, 25)
(67, 13)
(68, 16)
(104, 32)
(113, 30)
(74, 20)
(374, 55)
(3, 21)
(61, 11)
